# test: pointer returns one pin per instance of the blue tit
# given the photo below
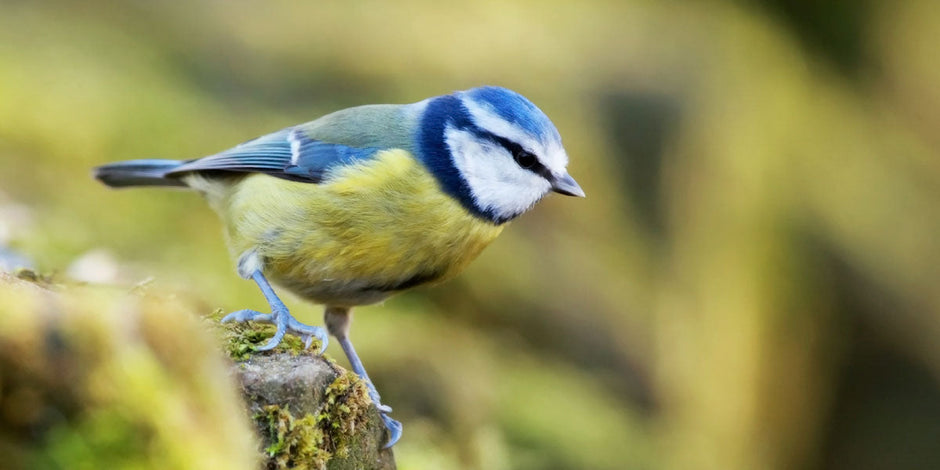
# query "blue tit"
(369, 201)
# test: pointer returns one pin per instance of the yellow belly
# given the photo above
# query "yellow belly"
(365, 232)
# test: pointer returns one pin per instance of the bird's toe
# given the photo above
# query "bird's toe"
(394, 430)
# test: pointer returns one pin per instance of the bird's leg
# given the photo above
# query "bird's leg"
(337, 321)
(279, 316)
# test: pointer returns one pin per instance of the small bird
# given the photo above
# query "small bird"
(369, 201)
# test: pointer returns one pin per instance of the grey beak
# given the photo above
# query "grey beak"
(566, 185)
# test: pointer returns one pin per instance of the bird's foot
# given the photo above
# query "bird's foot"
(394, 427)
(286, 323)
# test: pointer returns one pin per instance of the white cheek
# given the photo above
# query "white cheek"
(496, 182)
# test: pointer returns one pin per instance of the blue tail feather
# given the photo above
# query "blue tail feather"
(150, 172)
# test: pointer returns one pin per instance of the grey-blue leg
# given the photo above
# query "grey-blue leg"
(337, 321)
(279, 316)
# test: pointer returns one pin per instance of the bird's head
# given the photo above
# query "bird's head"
(494, 151)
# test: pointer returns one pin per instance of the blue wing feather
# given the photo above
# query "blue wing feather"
(288, 154)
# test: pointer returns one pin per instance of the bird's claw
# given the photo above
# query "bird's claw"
(307, 333)
(285, 323)
(394, 427)
(248, 315)
(274, 341)
(394, 430)
(307, 339)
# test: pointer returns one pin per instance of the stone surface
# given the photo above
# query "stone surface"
(311, 413)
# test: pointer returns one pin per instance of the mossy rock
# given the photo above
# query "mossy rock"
(99, 377)
(309, 412)
(312, 414)
(105, 378)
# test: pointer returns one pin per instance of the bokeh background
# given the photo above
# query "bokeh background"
(751, 283)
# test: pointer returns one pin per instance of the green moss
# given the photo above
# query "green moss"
(344, 411)
(316, 441)
(241, 339)
(295, 442)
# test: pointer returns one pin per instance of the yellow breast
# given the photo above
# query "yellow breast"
(366, 231)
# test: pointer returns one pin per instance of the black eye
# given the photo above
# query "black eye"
(524, 159)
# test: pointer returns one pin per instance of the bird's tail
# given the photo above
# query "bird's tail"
(151, 172)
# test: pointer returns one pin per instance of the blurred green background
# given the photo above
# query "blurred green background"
(751, 283)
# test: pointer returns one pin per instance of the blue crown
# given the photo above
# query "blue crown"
(515, 109)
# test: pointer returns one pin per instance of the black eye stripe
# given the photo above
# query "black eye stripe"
(515, 150)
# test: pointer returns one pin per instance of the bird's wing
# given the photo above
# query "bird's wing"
(289, 154)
